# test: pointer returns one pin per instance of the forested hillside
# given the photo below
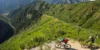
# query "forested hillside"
(46, 29)
(85, 15)
(25, 16)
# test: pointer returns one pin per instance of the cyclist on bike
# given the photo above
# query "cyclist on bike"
(91, 41)
(64, 40)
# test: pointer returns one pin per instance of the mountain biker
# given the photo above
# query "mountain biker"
(91, 41)
(64, 40)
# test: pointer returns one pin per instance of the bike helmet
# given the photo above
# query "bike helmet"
(90, 37)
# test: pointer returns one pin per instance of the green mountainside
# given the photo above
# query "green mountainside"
(41, 22)
(85, 15)
(25, 16)
(46, 29)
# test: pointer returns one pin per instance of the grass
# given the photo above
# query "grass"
(48, 28)
(85, 15)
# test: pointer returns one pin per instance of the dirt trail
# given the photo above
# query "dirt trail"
(51, 46)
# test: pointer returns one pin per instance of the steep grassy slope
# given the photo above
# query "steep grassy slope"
(78, 14)
(46, 29)
(85, 15)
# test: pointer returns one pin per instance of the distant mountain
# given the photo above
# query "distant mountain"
(66, 1)
(9, 5)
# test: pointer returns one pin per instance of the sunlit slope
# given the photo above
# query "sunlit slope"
(46, 29)
(86, 15)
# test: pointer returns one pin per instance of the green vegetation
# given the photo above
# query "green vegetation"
(77, 21)
(85, 15)
(23, 17)
(48, 28)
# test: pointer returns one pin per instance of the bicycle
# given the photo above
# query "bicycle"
(85, 45)
(62, 45)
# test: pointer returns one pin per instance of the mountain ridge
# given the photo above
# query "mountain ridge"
(67, 1)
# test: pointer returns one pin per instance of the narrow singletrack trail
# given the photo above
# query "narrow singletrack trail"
(51, 46)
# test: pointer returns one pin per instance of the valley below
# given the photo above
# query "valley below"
(6, 31)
